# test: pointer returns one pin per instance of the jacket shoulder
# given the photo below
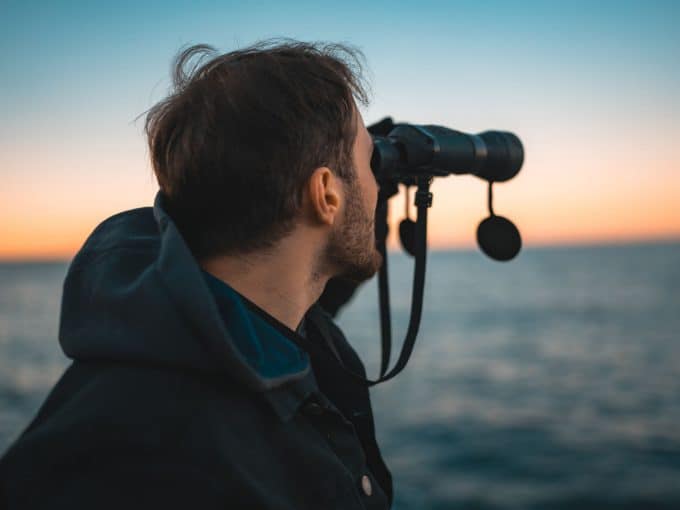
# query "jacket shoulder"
(124, 430)
(114, 409)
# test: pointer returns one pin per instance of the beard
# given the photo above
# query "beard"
(351, 247)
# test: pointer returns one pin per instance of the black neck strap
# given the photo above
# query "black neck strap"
(423, 201)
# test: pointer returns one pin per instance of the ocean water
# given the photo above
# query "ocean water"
(551, 381)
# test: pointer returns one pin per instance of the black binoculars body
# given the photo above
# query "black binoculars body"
(409, 151)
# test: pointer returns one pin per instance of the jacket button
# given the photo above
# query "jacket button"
(366, 485)
(313, 408)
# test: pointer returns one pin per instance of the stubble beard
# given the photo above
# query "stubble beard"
(351, 247)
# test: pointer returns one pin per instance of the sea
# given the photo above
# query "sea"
(548, 381)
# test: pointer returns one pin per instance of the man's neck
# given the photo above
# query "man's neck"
(284, 284)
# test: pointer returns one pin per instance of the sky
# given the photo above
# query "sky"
(591, 89)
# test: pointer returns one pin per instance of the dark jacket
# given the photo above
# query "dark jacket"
(177, 398)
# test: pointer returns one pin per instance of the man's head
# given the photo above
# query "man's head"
(255, 144)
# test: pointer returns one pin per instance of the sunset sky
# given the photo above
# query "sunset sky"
(591, 88)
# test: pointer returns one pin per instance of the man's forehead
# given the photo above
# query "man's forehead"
(362, 136)
(361, 127)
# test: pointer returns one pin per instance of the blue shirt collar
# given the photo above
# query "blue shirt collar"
(262, 343)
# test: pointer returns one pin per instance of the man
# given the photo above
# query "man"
(205, 373)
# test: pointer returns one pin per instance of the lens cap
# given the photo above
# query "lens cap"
(499, 238)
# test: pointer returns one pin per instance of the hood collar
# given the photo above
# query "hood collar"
(134, 292)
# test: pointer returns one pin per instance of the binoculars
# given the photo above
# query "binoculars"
(409, 151)
(406, 153)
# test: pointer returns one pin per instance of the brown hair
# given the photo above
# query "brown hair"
(234, 143)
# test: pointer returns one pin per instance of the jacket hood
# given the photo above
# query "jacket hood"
(135, 293)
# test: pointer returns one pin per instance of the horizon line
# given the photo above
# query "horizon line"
(609, 243)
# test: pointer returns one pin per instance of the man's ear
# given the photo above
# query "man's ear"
(325, 195)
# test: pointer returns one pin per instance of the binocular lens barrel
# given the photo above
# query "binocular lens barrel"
(411, 150)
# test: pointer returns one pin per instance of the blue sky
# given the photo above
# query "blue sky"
(590, 87)
(83, 48)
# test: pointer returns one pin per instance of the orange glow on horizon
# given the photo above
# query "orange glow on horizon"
(48, 215)
(452, 222)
